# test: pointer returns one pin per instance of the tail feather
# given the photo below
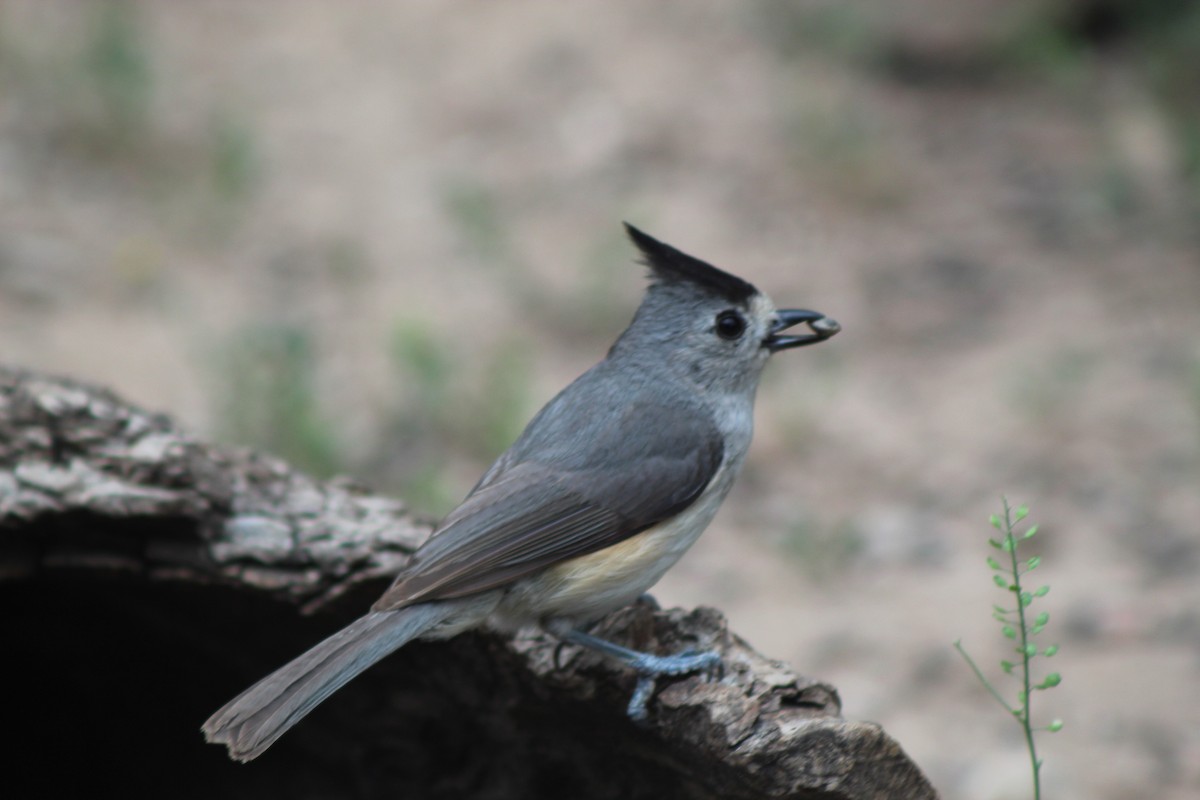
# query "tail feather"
(252, 721)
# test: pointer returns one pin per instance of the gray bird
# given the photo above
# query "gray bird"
(604, 490)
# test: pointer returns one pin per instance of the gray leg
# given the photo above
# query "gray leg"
(647, 665)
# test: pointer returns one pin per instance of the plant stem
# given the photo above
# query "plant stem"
(1023, 714)
(986, 683)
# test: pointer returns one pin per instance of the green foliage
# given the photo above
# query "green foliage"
(1037, 43)
(475, 213)
(1070, 45)
(118, 62)
(848, 31)
(1195, 383)
(1016, 626)
(440, 414)
(824, 553)
(476, 216)
(209, 181)
(1051, 387)
(85, 84)
(845, 143)
(425, 365)
(1158, 39)
(89, 87)
(600, 303)
(427, 490)
(269, 398)
(500, 416)
(235, 161)
(482, 419)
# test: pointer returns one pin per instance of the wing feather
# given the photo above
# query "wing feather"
(529, 514)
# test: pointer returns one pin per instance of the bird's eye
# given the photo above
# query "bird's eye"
(730, 325)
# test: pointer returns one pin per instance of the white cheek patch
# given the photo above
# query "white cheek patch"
(762, 312)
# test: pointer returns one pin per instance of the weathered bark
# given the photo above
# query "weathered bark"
(147, 576)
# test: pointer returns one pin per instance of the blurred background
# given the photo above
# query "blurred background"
(375, 237)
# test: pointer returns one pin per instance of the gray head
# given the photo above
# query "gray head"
(706, 324)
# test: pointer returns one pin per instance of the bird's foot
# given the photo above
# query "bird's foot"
(648, 666)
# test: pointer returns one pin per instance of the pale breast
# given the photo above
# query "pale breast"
(590, 586)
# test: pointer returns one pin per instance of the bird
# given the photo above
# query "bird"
(605, 489)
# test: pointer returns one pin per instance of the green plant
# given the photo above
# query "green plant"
(438, 403)
(502, 406)
(824, 552)
(269, 399)
(1016, 626)
(235, 164)
(475, 212)
(844, 143)
(424, 363)
(442, 416)
(118, 61)
(1196, 386)
(848, 31)
(1048, 390)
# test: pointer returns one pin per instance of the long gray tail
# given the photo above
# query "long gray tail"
(251, 722)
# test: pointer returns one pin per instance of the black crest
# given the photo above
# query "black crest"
(672, 266)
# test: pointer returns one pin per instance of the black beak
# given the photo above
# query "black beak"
(822, 328)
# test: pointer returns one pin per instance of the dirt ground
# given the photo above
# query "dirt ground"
(376, 237)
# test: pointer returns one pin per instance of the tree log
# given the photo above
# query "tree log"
(148, 576)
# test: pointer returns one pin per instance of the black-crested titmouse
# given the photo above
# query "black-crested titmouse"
(604, 490)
